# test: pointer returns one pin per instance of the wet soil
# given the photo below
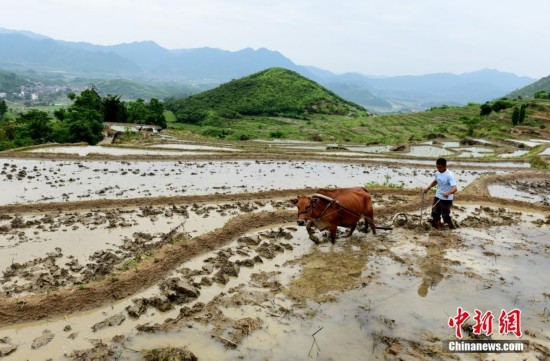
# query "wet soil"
(258, 288)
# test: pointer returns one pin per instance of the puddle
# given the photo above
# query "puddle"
(85, 150)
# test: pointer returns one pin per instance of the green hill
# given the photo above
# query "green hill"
(529, 91)
(272, 92)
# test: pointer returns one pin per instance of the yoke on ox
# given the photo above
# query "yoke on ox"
(335, 207)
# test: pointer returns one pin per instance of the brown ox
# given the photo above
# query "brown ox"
(336, 207)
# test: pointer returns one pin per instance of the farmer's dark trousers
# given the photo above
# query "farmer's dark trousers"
(441, 207)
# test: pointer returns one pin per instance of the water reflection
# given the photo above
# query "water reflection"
(431, 269)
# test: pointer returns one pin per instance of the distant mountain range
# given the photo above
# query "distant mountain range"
(208, 67)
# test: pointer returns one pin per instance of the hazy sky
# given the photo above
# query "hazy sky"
(375, 37)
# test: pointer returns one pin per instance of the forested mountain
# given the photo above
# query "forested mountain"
(209, 67)
(530, 90)
(21, 52)
(272, 92)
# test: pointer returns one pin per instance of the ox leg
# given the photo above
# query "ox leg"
(351, 229)
(372, 225)
(310, 232)
(333, 234)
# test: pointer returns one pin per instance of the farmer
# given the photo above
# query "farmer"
(443, 200)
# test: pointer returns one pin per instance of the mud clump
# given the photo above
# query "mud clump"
(244, 327)
(6, 347)
(101, 351)
(179, 291)
(138, 308)
(109, 322)
(43, 340)
(171, 354)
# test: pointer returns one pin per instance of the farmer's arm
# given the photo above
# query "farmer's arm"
(432, 184)
(451, 191)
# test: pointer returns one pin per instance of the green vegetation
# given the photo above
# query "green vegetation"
(3, 109)
(452, 122)
(542, 95)
(539, 163)
(11, 82)
(82, 121)
(274, 92)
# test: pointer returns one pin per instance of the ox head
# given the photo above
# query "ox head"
(305, 206)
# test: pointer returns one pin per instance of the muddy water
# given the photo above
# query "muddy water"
(394, 291)
(517, 153)
(197, 335)
(25, 181)
(370, 149)
(474, 152)
(428, 151)
(85, 150)
(505, 191)
(78, 237)
(531, 142)
(534, 191)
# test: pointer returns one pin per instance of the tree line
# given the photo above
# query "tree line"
(82, 121)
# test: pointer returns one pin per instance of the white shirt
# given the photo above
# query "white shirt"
(445, 181)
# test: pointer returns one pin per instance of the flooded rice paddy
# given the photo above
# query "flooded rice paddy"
(263, 295)
(120, 151)
(239, 280)
(26, 181)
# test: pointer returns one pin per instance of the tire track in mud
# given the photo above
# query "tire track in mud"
(152, 270)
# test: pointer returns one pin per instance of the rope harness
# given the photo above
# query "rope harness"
(340, 208)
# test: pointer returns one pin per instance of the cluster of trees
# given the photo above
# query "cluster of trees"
(542, 95)
(518, 114)
(82, 121)
(496, 107)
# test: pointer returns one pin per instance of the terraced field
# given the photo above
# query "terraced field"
(114, 254)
